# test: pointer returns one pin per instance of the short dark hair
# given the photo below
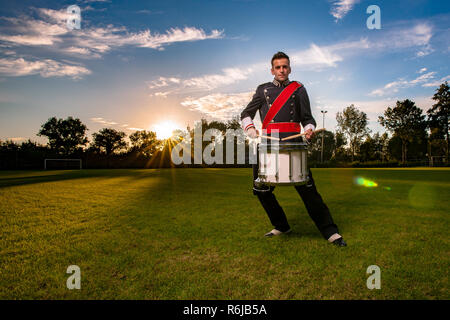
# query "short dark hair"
(279, 55)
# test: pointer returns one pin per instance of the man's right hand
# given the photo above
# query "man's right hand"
(252, 133)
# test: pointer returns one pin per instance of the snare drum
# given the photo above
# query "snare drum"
(282, 164)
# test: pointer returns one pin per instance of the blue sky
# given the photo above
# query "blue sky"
(135, 64)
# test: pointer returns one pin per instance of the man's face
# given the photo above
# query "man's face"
(281, 69)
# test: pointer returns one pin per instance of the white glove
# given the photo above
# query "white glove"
(252, 133)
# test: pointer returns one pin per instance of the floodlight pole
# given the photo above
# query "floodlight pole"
(323, 132)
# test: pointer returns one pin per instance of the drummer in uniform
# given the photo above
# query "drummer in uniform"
(286, 122)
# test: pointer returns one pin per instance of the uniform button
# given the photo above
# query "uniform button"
(265, 90)
(270, 105)
(272, 120)
(268, 97)
(292, 104)
(292, 112)
(292, 120)
(293, 96)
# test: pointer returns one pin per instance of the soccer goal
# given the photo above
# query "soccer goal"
(63, 164)
(437, 161)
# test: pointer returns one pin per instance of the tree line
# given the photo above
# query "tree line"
(414, 136)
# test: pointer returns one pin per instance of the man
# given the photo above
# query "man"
(296, 110)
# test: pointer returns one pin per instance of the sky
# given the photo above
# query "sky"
(143, 65)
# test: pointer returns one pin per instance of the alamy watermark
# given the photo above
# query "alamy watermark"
(73, 17)
(213, 153)
(74, 281)
(374, 280)
(374, 20)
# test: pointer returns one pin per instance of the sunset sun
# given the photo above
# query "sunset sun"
(164, 130)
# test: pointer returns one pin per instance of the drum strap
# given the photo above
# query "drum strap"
(280, 101)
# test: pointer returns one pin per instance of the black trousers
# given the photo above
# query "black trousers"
(317, 209)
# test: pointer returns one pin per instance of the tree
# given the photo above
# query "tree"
(374, 147)
(339, 153)
(353, 124)
(439, 114)
(217, 125)
(368, 148)
(406, 121)
(109, 140)
(64, 136)
(144, 142)
(384, 146)
(234, 123)
(329, 145)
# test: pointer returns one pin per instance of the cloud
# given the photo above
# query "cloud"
(46, 68)
(393, 87)
(419, 35)
(163, 82)
(145, 11)
(319, 57)
(436, 83)
(31, 32)
(81, 52)
(219, 106)
(422, 70)
(56, 16)
(114, 124)
(334, 78)
(425, 51)
(161, 94)
(103, 121)
(340, 8)
(423, 78)
(51, 30)
(206, 82)
(9, 52)
(315, 58)
(29, 40)
(212, 81)
(147, 39)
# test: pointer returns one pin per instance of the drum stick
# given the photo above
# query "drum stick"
(267, 137)
(301, 134)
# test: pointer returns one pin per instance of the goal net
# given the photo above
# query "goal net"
(437, 161)
(63, 164)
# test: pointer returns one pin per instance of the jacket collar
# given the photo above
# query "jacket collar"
(279, 84)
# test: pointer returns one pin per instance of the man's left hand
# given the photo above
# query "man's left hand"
(309, 134)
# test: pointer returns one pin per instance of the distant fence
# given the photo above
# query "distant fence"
(16, 159)
(380, 164)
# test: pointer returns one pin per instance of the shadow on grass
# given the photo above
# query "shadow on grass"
(302, 225)
(71, 175)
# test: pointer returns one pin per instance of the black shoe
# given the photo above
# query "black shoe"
(340, 242)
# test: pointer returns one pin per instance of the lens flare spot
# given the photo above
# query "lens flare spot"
(422, 196)
(360, 181)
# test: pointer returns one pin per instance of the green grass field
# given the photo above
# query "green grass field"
(198, 234)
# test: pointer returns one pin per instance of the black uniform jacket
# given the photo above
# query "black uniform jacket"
(296, 109)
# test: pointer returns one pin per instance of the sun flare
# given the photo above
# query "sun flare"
(164, 130)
